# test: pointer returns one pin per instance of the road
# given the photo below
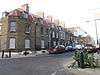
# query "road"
(51, 64)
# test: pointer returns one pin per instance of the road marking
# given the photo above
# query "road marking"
(54, 73)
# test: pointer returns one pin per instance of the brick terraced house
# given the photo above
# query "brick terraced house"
(20, 30)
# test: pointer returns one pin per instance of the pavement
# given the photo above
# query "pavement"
(85, 71)
(21, 55)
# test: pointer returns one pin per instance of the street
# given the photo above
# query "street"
(51, 64)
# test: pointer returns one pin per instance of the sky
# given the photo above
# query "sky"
(73, 12)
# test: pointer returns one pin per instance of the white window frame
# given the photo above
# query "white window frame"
(13, 26)
(12, 42)
(27, 43)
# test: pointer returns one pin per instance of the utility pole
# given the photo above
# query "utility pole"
(95, 29)
(96, 32)
(35, 37)
(49, 37)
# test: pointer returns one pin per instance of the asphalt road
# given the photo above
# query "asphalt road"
(51, 64)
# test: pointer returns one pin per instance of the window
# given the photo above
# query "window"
(63, 35)
(28, 29)
(41, 20)
(42, 43)
(0, 28)
(58, 43)
(47, 31)
(54, 43)
(52, 26)
(12, 26)
(60, 28)
(49, 35)
(56, 35)
(53, 34)
(12, 43)
(41, 30)
(25, 15)
(27, 43)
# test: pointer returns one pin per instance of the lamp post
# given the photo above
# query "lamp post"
(35, 36)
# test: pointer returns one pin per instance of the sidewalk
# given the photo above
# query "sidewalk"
(20, 55)
(86, 71)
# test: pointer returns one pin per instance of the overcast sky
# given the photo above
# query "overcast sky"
(73, 12)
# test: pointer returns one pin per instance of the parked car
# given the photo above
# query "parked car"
(91, 49)
(69, 48)
(87, 47)
(79, 47)
(57, 49)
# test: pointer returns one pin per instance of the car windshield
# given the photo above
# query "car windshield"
(60, 46)
(78, 46)
(69, 46)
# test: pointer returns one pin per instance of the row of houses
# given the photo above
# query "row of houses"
(20, 30)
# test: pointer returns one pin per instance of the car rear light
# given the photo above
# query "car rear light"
(54, 49)
(50, 49)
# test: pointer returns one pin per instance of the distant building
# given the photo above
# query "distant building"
(70, 38)
(40, 14)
